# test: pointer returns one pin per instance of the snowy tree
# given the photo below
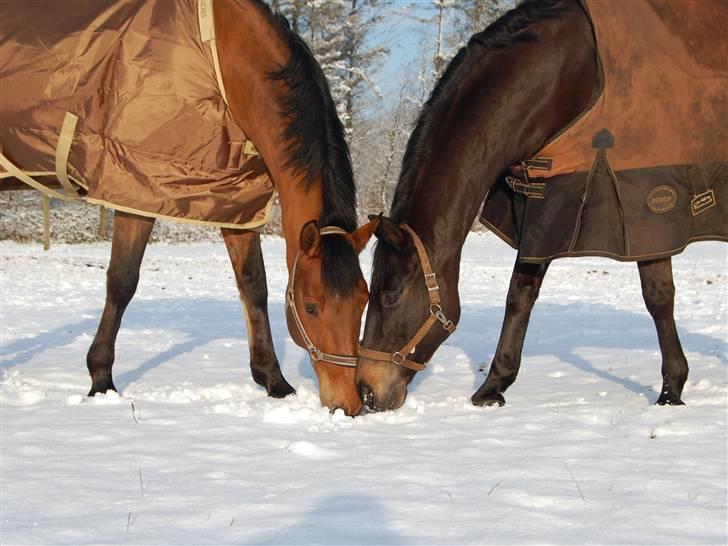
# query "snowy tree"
(377, 154)
(339, 33)
(440, 58)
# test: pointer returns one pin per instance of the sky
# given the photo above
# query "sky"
(409, 32)
(404, 32)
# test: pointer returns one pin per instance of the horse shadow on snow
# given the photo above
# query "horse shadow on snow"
(198, 321)
(563, 330)
(555, 330)
(338, 520)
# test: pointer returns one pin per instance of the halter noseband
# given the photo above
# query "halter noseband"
(314, 352)
(436, 315)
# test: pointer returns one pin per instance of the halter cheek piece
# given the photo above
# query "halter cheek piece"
(436, 315)
(314, 352)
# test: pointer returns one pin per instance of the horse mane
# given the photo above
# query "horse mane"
(316, 145)
(509, 29)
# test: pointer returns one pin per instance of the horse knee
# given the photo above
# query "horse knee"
(522, 296)
(121, 285)
(253, 287)
(659, 297)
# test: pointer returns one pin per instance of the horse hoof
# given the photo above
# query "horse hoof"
(668, 399)
(280, 389)
(101, 388)
(488, 400)
(273, 382)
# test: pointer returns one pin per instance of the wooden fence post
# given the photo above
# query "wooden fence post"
(46, 222)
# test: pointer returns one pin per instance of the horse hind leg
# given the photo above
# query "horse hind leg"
(131, 234)
(658, 291)
(523, 291)
(246, 257)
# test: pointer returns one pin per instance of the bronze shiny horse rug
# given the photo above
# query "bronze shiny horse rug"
(644, 171)
(126, 101)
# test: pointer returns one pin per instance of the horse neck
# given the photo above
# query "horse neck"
(251, 47)
(520, 97)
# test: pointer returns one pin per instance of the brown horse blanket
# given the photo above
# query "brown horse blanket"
(125, 100)
(644, 171)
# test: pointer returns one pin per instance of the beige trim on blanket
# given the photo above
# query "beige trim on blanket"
(250, 226)
(207, 33)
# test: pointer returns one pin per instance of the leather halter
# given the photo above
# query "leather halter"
(314, 352)
(436, 315)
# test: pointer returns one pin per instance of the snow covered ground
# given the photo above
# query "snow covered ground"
(192, 452)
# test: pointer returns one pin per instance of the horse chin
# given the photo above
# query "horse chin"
(351, 408)
(337, 389)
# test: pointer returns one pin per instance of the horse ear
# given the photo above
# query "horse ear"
(310, 241)
(391, 233)
(360, 237)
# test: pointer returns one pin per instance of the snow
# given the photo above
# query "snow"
(193, 452)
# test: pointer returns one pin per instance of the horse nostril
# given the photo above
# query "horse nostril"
(364, 393)
(367, 397)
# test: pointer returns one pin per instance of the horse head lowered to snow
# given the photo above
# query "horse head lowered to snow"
(178, 110)
(592, 131)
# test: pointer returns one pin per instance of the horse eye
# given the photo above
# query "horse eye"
(311, 309)
(391, 297)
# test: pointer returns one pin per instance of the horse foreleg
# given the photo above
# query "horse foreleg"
(247, 261)
(522, 294)
(658, 291)
(131, 234)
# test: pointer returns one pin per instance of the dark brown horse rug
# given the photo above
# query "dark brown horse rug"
(125, 100)
(644, 171)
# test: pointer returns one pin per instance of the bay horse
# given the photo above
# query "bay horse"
(278, 95)
(513, 87)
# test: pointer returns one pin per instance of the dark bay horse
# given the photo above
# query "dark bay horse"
(279, 96)
(503, 96)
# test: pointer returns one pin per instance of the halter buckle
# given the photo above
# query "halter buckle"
(397, 358)
(431, 282)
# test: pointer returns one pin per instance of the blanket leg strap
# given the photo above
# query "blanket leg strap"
(63, 149)
(18, 173)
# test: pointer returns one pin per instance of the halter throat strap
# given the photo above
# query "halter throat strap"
(314, 352)
(400, 358)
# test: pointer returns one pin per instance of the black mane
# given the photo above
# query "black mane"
(507, 30)
(316, 145)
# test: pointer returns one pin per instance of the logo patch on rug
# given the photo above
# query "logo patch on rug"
(661, 199)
